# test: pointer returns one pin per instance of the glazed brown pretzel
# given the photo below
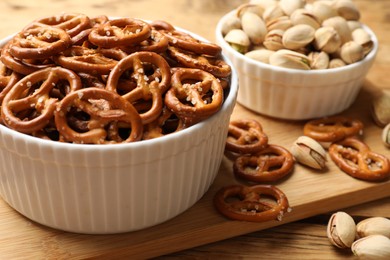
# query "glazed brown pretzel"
(213, 65)
(165, 124)
(93, 61)
(24, 66)
(72, 23)
(186, 42)
(356, 159)
(246, 136)
(7, 79)
(146, 87)
(39, 43)
(34, 93)
(269, 165)
(157, 42)
(105, 110)
(194, 95)
(119, 32)
(245, 203)
(332, 129)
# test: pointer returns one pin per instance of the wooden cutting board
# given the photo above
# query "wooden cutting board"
(309, 192)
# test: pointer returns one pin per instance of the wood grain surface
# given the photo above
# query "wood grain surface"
(201, 232)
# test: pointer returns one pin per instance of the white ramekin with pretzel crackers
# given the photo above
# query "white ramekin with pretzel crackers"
(103, 130)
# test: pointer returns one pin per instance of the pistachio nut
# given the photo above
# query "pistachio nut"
(353, 25)
(272, 12)
(372, 247)
(281, 23)
(273, 40)
(386, 135)
(254, 27)
(319, 60)
(238, 40)
(327, 39)
(290, 59)
(341, 26)
(298, 36)
(248, 7)
(351, 52)
(373, 226)
(362, 37)
(233, 22)
(261, 55)
(341, 230)
(309, 152)
(347, 9)
(322, 10)
(381, 108)
(336, 63)
(289, 6)
(303, 16)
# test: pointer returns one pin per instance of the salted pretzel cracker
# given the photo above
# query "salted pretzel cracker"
(93, 61)
(157, 42)
(269, 165)
(39, 43)
(252, 203)
(187, 42)
(72, 23)
(165, 124)
(24, 66)
(332, 129)
(105, 109)
(120, 32)
(356, 159)
(213, 65)
(245, 136)
(162, 25)
(147, 88)
(194, 95)
(7, 79)
(32, 96)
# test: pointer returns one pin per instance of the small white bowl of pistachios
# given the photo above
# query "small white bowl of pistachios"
(297, 60)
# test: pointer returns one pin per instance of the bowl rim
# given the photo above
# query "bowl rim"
(229, 101)
(227, 48)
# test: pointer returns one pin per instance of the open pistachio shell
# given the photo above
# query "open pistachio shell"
(290, 59)
(238, 39)
(273, 40)
(248, 7)
(232, 23)
(341, 26)
(372, 247)
(261, 55)
(327, 39)
(303, 16)
(351, 52)
(347, 9)
(373, 226)
(323, 11)
(341, 230)
(319, 60)
(298, 36)
(272, 12)
(281, 23)
(254, 27)
(362, 37)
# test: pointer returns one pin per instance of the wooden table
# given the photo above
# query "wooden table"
(304, 239)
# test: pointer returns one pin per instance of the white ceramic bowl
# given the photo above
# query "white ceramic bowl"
(295, 94)
(101, 189)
